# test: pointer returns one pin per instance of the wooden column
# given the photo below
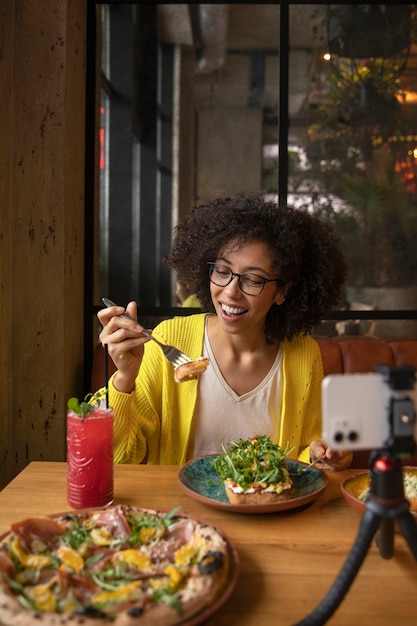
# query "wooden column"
(42, 137)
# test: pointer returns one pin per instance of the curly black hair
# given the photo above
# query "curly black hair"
(305, 252)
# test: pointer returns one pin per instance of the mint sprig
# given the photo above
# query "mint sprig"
(87, 406)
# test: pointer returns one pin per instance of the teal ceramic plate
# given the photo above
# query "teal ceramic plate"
(199, 480)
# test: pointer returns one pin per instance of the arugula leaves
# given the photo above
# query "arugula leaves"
(76, 534)
(253, 461)
(148, 521)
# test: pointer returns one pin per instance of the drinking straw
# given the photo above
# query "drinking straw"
(106, 373)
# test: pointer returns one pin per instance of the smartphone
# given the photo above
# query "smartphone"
(363, 411)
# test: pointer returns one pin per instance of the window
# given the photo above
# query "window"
(269, 103)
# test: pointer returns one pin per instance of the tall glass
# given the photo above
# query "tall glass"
(90, 458)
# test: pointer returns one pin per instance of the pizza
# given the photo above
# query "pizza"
(254, 471)
(410, 489)
(121, 565)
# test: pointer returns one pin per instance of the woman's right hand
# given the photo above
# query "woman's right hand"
(125, 343)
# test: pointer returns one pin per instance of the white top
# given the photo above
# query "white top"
(230, 416)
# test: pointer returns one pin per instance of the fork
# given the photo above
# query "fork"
(313, 463)
(174, 356)
(300, 470)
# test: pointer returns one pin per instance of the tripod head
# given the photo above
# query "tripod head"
(401, 411)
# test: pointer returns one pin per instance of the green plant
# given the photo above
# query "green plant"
(369, 209)
(349, 177)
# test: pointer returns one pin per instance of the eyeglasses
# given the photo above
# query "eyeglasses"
(250, 284)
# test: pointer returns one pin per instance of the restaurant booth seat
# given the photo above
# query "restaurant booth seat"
(343, 354)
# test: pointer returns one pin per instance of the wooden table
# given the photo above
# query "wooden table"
(288, 561)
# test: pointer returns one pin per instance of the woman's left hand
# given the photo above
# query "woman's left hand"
(330, 459)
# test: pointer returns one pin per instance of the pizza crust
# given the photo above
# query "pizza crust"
(162, 615)
(200, 596)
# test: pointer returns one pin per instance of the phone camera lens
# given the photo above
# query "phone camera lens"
(338, 437)
(353, 435)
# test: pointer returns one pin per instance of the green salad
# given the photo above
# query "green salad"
(254, 461)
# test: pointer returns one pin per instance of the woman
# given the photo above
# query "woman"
(266, 275)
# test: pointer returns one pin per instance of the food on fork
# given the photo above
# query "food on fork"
(120, 566)
(190, 370)
(254, 471)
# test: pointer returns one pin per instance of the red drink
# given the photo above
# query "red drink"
(90, 458)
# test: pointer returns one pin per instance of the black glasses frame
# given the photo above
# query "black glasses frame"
(212, 265)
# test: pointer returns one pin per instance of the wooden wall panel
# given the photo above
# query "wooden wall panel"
(42, 225)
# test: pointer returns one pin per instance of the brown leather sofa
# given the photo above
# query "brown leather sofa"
(349, 354)
(342, 354)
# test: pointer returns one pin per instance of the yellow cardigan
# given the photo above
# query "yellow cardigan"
(157, 415)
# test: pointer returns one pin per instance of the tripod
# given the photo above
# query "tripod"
(385, 504)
